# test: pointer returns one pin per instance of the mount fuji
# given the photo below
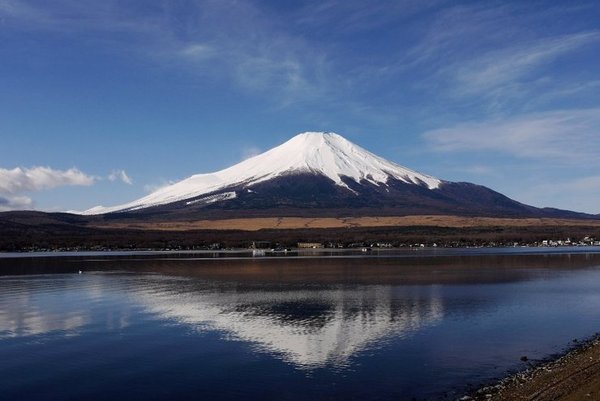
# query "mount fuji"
(320, 174)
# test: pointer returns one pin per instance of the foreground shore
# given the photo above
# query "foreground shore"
(573, 376)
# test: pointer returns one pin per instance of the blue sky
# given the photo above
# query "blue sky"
(104, 101)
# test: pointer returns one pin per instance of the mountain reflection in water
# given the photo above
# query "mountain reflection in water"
(309, 327)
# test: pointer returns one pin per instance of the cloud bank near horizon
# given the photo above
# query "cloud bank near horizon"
(15, 183)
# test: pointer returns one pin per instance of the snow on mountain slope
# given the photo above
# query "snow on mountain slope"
(323, 153)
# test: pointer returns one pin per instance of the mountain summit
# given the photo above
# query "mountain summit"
(320, 174)
(326, 154)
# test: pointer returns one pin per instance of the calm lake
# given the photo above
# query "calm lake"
(386, 326)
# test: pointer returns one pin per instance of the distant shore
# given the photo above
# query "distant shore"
(250, 253)
(36, 231)
(572, 376)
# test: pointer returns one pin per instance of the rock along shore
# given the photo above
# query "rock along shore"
(572, 376)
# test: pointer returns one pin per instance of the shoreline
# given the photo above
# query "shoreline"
(568, 376)
(321, 252)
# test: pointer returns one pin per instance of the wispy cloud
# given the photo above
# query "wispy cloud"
(460, 31)
(306, 53)
(557, 136)
(237, 42)
(351, 16)
(498, 58)
(66, 16)
(573, 91)
(120, 175)
(511, 64)
(19, 180)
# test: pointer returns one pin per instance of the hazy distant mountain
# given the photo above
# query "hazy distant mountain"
(320, 173)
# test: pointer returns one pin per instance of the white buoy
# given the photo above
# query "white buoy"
(79, 271)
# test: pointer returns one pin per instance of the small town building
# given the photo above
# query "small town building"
(261, 245)
(310, 245)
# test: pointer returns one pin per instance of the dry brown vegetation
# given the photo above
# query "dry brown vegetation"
(290, 223)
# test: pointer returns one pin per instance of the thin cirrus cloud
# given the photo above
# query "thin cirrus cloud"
(244, 45)
(500, 58)
(565, 135)
(497, 68)
(120, 175)
(467, 50)
(448, 38)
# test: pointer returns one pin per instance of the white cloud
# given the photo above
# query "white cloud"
(120, 175)
(19, 180)
(15, 203)
(565, 135)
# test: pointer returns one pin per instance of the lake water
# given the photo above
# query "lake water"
(390, 326)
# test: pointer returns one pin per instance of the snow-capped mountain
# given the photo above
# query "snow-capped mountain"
(320, 153)
(320, 174)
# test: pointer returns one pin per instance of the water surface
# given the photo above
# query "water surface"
(161, 327)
